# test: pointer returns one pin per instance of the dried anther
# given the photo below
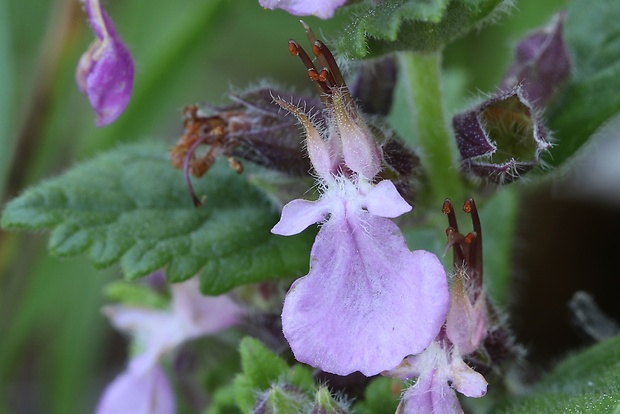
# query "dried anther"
(212, 131)
(253, 129)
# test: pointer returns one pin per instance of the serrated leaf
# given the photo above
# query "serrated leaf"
(244, 392)
(423, 25)
(591, 96)
(588, 382)
(130, 205)
(259, 364)
(260, 368)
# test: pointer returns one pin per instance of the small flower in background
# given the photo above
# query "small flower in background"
(542, 63)
(138, 392)
(105, 72)
(353, 311)
(441, 368)
(471, 342)
(502, 138)
(323, 9)
(156, 332)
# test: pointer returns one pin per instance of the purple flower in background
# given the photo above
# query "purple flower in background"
(156, 332)
(105, 72)
(138, 392)
(323, 9)
(368, 301)
(441, 369)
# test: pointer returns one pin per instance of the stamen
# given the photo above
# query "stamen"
(322, 52)
(476, 260)
(313, 74)
(454, 241)
(327, 77)
(312, 39)
(297, 50)
(449, 211)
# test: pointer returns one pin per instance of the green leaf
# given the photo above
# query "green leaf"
(130, 205)
(260, 365)
(422, 25)
(591, 96)
(588, 382)
(379, 396)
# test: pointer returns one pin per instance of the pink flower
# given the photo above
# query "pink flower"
(368, 301)
(440, 369)
(155, 333)
(323, 9)
(105, 72)
(135, 392)
(436, 368)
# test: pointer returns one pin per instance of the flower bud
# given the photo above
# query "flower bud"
(360, 151)
(541, 63)
(105, 72)
(325, 403)
(501, 139)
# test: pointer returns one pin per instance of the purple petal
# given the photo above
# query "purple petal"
(138, 393)
(155, 332)
(323, 9)
(467, 381)
(384, 200)
(466, 324)
(431, 394)
(298, 214)
(105, 72)
(367, 302)
(159, 331)
(202, 315)
(360, 150)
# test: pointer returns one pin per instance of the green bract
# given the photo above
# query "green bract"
(130, 205)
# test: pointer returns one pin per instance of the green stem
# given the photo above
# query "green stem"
(422, 79)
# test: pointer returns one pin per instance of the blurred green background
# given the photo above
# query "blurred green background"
(57, 351)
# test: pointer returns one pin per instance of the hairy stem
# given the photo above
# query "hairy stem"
(422, 78)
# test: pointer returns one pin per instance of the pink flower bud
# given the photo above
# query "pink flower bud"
(105, 72)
